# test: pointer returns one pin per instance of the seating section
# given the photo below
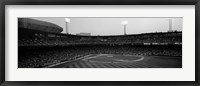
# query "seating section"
(38, 38)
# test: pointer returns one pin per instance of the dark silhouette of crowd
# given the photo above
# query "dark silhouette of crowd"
(38, 38)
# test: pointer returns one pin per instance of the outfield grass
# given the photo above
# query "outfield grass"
(124, 61)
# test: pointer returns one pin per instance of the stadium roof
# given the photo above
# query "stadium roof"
(39, 25)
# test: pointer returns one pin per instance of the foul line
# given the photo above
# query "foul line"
(67, 61)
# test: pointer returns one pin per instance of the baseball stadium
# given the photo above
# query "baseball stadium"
(42, 45)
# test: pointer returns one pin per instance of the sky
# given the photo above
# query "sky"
(113, 26)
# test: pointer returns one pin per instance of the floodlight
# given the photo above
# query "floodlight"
(170, 25)
(124, 22)
(67, 19)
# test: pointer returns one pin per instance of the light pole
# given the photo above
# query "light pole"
(170, 25)
(124, 23)
(67, 20)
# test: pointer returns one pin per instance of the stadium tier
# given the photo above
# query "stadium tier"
(29, 37)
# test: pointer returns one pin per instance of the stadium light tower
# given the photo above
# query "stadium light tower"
(124, 23)
(170, 25)
(67, 21)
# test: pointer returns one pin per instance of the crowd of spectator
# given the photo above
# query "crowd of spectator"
(35, 38)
